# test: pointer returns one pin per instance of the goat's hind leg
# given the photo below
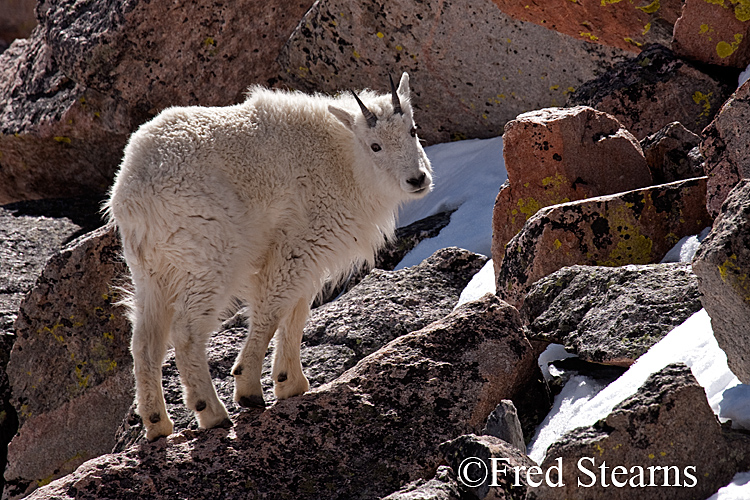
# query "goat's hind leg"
(151, 319)
(196, 318)
(248, 391)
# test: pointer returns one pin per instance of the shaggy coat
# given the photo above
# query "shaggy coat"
(262, 201)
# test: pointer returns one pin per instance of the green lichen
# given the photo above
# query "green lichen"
(705, 100)
(631, 247)
(724, 49)
(733, 275)
(651, 8)
(590, 36)
(742, 10)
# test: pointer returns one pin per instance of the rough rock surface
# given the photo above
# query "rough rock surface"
(57, 138)
(441, 487)
(380, 422)
(667, 423)
(17, 20)
(714, 32)
(71, 358)
(671, 154)
(31, 232)
(473, 68)
(627, 25)
(636, 227)
(722, 264)
(727, 148)
(29, 238)
(91, 73)
(385, 305)
(610, 315)
(209, 55)
(484, 448)
(653, 89)
(503, 423)
(558, 155)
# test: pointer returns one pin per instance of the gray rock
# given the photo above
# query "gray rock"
(70, 367)
(473, 68)
(481, 449)
(503, 423)
(29, 239)
(384, 306)
(667, 423)
(722, 264)
(441, 487)
(611, 315)
(364, 435)
(30, 233)
(672, 154)
(653, 89)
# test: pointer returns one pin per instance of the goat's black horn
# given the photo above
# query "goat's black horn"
(371, 118)
(394, 98)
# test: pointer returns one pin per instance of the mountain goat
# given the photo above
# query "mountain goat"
(262, 201)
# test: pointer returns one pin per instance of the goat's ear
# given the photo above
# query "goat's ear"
(403, 86)
(343, 116)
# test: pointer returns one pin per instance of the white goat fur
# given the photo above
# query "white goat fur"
(263, 201)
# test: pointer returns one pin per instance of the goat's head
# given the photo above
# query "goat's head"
(387, 135)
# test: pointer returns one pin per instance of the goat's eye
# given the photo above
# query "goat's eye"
(375, 147)
(413, 131)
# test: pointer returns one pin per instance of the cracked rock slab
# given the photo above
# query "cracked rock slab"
(611, 315)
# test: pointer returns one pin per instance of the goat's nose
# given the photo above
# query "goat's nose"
(417, 181)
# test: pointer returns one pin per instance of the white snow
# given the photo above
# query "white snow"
(468, 176)
(482, 283)
(744, 76)
(691, 343)
(685, 249)
(738, 489)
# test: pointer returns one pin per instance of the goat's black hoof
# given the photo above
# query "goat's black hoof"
(252, 402)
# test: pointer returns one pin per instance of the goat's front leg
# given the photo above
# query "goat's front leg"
(287, 374)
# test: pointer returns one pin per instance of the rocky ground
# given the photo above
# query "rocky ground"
(623, 133)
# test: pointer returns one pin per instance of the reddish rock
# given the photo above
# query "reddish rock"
(70, 367)
(714, 32)
(670, 154)
(636, 227)
(57, 139)
(209, 55)
(17, 20)
(473, 68)
(364, 435)
(626, 25)
(92, 72)
(667, 428)
(722, 264)
(652, 90)
(726, 147)
(561, 154)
